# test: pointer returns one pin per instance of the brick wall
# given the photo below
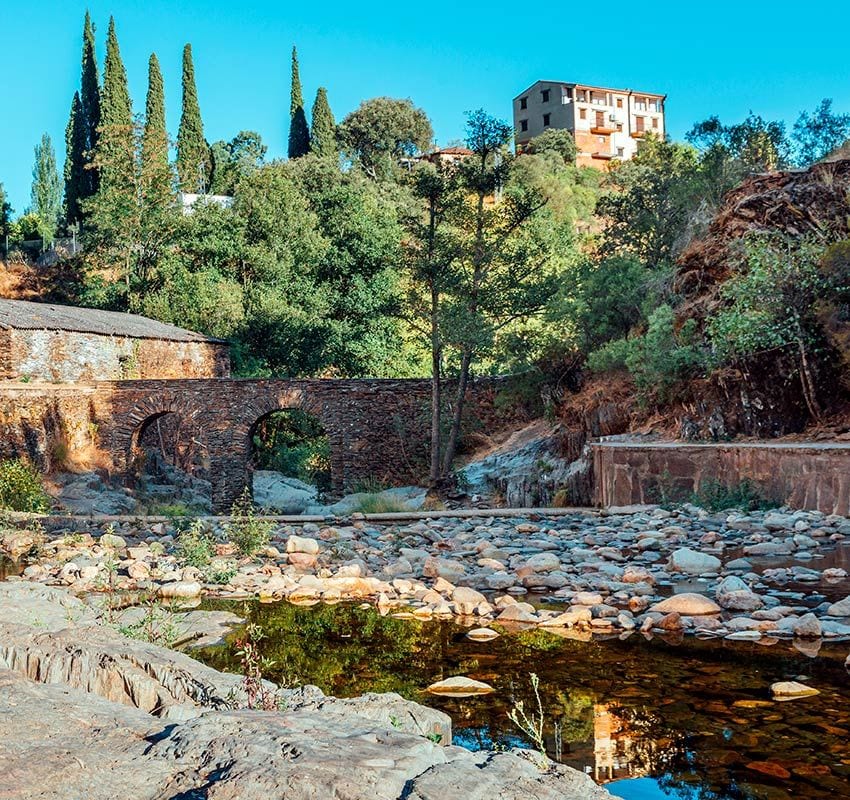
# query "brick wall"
(69, 356)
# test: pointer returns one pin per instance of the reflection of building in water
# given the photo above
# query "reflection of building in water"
(616, 753)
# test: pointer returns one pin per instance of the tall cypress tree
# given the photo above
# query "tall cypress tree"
(323, 131)
(90, 103)
(193, 152)
(299, 134)
(155, 171)
(115, 152)
(76, 154)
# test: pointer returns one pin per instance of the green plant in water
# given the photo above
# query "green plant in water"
(246, 530)
(532, 723)
(20, 487)
(257, 694)
(195, 546)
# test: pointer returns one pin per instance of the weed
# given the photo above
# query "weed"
(220, 572)
(20, 487)
(156, 626)
(246, 530)
(531, 724)
(375, 504)
(195, 546)
(258, 695)
(714, 496)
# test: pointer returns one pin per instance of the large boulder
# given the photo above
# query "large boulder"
(692, 562)
(277, 492)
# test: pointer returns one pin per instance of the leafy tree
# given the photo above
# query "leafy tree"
(193, 152)
(5, 214)
(758, 144)
(646, 212)
(156, 177)
(299, 134)
(556, 141)
(818, 134)
(232, 160)
(382, 131)
(323, 140)
(46, 191)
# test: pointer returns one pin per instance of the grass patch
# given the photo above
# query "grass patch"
(376, 504)
(715, 496)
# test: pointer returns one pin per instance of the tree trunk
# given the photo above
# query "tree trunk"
(436, 399)
(806, 379)
(454, 433)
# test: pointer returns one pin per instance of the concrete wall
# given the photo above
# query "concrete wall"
(69, 356)
(810, 476)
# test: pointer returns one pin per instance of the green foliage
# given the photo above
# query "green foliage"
(245, 529)
(715, 496)
(46, 191)
(196, 546)
(75, 159)
(294, 443)
(90, 103)
(231, 161)
(20, 487)
(658, 359)
(299, 134)
(156, 177)
(5, 214)
(560, 142)
(323, 140)
(758, 144)
(375, 504)
(193, 153)
(383, 130)
(818, 134)
(157, 626)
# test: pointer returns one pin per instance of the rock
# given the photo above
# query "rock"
(139, 570)
(302, 544)
(516, 613)
(791, 690)
(19, 543)
(111, 541)
(277, 492)
(500, 581)
(807, 627)
(180, 589)
(687, 604)
(840, 609)
(87, 493)
(460, 686)
(443, 568)
(466, 600)
(482, 634)
(733, 594)
(568, 619)
(692, 562)
(587, 599)
(543, 562)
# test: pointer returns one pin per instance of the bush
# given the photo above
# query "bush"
(715, 496)
(195, 546)
(247, 531)
(375, 504)
(20, 487)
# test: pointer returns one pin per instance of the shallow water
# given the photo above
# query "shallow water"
(654, 719)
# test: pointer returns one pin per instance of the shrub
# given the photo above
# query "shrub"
(195, 546)
(715, 496)
(246, 530)
(375, 504)
(20, 487)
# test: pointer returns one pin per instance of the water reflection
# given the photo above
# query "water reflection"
(694, 718)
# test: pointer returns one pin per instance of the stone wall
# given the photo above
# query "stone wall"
(70, 356)
(808, 476)
(377, 429)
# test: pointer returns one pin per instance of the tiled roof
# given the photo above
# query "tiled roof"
(22, 314)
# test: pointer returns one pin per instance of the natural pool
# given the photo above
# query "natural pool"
(653, 719)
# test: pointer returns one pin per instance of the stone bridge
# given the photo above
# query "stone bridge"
(376, 429)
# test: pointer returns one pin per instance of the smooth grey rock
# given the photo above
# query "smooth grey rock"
(692, 562)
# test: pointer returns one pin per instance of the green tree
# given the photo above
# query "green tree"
(193, 152)
(759, 145)
(323, 132)
(74, 172)
(818, 134)
(299, 133)
(156, 177)
(242, 155)
(382, 131)
(556, 141)
(46, 191)
(5, 214)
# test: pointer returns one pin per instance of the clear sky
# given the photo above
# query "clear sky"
(719, 57)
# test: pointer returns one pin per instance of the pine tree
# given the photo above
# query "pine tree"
(323, 132)
(299, 134)
(155, 171)
(46, 197)
(90, 105)
(193, 152)
(76, 155)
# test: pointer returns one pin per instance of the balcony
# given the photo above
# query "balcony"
(603, 156)
(638, 134)
(604, 129)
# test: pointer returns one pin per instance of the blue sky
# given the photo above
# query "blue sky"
(710, 58)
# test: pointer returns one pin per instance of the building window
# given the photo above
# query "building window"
(620, 152)
(523, 124)
(582, 95)
(546, 119)
(620, 127)
(655, 122)
(658, 106)
(619, 102)
(568, 92)
(544, 95)
(640, 103)
(523, 103)
(582, 113)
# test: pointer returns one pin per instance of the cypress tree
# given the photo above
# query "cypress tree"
(299, 134)
(155, 170)
(46, 190)
(90, 104)
(115, 156)
(76, 155)
(323, 131)
(193, 152)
